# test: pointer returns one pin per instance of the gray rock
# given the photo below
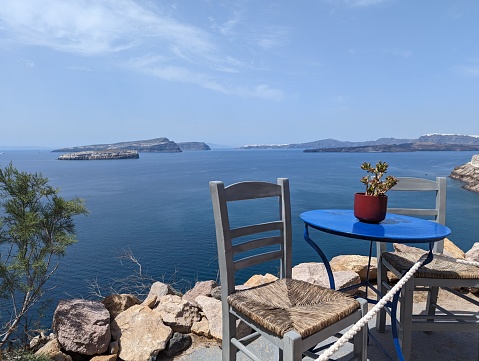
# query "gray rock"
(178, 342)
(203, 288)
(158, 289)
(177, 313)
(216, 293)
(82, 326)
(316, 273)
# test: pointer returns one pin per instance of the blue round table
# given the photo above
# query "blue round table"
(395, 228)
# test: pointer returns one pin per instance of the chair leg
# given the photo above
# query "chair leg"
(382, 277)
(360, 340)
(292, 350)
(229, 331)
(431, 301)
(406, 318)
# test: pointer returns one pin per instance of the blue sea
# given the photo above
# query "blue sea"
(159, 208)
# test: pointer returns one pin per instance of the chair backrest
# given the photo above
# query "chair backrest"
(249, 245)
(437, 213)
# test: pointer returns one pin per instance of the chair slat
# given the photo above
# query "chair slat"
(257, 259)
(257, 243)
(256, 228)
(251, 190)
(415, 184)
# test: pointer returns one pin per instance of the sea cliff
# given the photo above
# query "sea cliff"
(468, 173)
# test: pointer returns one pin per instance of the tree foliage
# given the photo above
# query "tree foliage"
(36, 227)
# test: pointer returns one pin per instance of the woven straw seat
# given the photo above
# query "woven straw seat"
(441, 267)
(289, 304)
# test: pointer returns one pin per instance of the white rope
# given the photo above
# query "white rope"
(470, 263)
(368, 316)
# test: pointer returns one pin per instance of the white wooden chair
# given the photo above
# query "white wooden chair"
(293, 315)
(443, 272)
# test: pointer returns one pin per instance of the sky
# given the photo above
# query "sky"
(237, 72)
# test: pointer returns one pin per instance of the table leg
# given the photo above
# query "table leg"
(321, 255)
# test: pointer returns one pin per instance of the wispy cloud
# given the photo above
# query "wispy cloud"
(273, 37)
(405, 53)
(355, 3)
(160, 45)
(363, 3)
(471, 70)
(27, 63)
(157, 67)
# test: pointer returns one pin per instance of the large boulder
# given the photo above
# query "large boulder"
(141, 333)
(157, 290)
(316, 273)
(116, 304)
(212, 310)
(203, 288)
(356, 263)
(177, 313)
(82, 326)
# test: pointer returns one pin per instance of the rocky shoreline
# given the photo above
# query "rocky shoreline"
(166, 324)
(468, 173)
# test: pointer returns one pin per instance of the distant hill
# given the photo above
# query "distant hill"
(329, 143)
(157, 145)
(405, 147)
(425, 142)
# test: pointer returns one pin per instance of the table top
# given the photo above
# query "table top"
(394, 228)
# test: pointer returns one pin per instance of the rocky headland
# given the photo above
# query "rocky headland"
(468, 173)
(100, 155)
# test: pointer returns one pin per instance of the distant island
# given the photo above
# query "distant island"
(428, 142)
(156, 145)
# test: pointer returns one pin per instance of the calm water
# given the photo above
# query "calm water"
(159, 206)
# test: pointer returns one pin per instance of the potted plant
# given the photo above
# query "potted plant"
(371, 205)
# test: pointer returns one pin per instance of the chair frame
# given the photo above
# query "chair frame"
(291, 346)
(431, 321)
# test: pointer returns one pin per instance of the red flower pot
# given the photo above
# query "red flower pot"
(371, 209)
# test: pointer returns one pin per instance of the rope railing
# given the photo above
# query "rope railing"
(465, 261)
(368, 316)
